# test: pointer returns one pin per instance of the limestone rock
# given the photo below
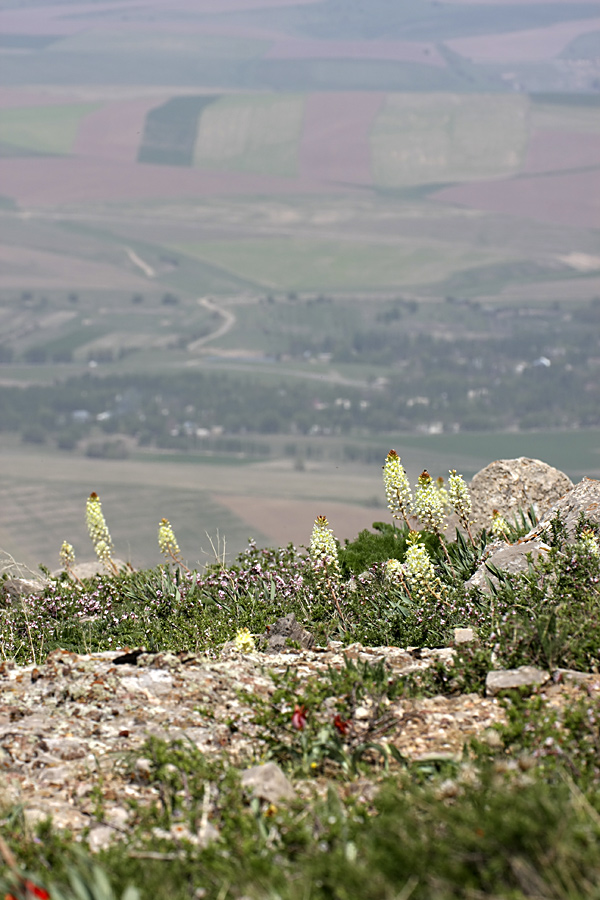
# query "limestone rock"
(93, 568)
(508, 484)
(510, 558)
(268, 783)
(283, 630)
(584, 499)
(507, 679)
(12, 589)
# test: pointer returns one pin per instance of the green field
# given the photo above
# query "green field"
(256, 133)
(311, 265)
(432, 138)
(43, 129)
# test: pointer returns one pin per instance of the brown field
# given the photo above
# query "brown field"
(335, 140)
(291, 521)
(38, 269)
(22, 98)
(569, 199)
(47, 182)
(532, 45)
(59, 19)
(115, 131)
(509, 2)
(218, 6)
(554, 150)
(399, 51)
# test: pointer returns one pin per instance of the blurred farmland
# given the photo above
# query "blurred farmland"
(300, 193)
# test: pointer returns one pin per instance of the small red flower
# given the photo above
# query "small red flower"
(30, 890)
(342, 725)
(299, 718)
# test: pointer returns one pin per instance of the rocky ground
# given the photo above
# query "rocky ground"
(71, 730)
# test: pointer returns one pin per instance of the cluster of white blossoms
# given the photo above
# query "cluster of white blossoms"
(244, 642)
(432, 501)
(167, 541)
(323, 547)
(97, 528)
(417, 562)
(429, 504)
(394, 570)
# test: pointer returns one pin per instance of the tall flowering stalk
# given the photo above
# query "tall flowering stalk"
(324, 556)
(397, 487)
(460, 500)
(168, 545)
(98, 531)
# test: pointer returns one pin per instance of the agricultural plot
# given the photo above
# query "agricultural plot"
(42, 129)
(530, 45)
(257, 133)
(335, 139)
(170, 131)
(436, 138)
(113, 131)
(571, 199)
(38, 515)
(300, 264)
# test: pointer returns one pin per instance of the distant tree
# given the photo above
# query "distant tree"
(73, 297)
(33, 434)
(169, 300)
(36, 355)
(137, 299)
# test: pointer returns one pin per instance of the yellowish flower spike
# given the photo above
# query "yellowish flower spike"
(323, 548)
(244, 642)
(167, 540)
(97, 527)
(168, 543)
(397, 487)
(67, 555)
(98, 531)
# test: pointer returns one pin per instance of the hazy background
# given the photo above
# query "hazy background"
(247, 246)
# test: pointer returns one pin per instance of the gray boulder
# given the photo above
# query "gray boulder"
(508, 484)
(268, 783)
(509, 679)
(284, 630)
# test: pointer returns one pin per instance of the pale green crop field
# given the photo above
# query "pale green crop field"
(44, 129)
(561, 117)
(298, 264)
(435, 138)
(251, 133)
